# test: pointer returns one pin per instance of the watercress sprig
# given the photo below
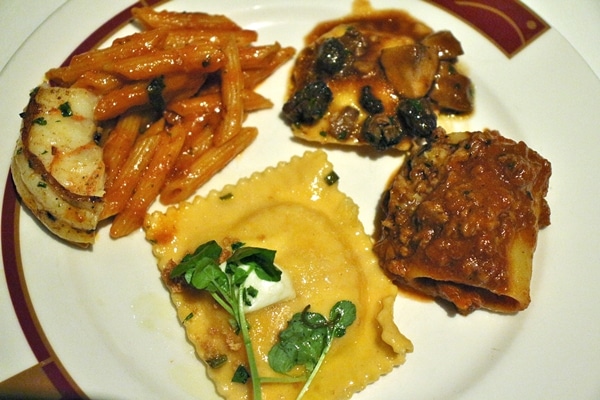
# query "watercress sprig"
(308, 338)
(202, 270)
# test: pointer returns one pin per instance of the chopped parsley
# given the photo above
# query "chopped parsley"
(65, 109)
(241, 375)
(40, 121)
(187, 318)
(331, 178)
(217, 361)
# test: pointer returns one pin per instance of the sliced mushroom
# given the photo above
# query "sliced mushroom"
(446, 46)
(452, 91)
(344, 124)
(410, 69)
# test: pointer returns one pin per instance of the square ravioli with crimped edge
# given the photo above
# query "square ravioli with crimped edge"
(320, 244)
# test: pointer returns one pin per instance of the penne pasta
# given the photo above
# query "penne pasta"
(194, 58)
(172, 101)
(254, 101)
(198, 140)
(149, 18)
(207, 165)
(149, 186)
(120, 190)
(185, 37)
(211, 103)
(258, 56)
(119, 144)
(94, 60)
(199, 105)
(182, 86)
(98, 82)
(255, 76)
(120, 100)
(231, 89)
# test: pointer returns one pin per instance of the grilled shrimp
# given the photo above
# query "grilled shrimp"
(57, 164)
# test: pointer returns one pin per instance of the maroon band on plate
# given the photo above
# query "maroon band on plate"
(509, 24)
(49, 372)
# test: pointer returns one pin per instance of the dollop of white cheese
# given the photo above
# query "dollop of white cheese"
(268, 292)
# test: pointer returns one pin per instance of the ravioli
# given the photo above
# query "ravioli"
(375, 78)
(320, 244)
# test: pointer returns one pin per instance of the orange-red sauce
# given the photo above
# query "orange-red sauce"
(454, 211)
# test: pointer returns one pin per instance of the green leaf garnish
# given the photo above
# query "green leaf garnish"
(202, 270)
(209, 250)
(308, 338)
(187, 318)
(210, 277)
(262, 260)
(305, 341)
(342, 315)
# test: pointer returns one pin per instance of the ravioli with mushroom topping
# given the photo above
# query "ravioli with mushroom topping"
(320, 244)
(375, 78)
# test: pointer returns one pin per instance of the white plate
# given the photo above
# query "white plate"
(109, 322)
